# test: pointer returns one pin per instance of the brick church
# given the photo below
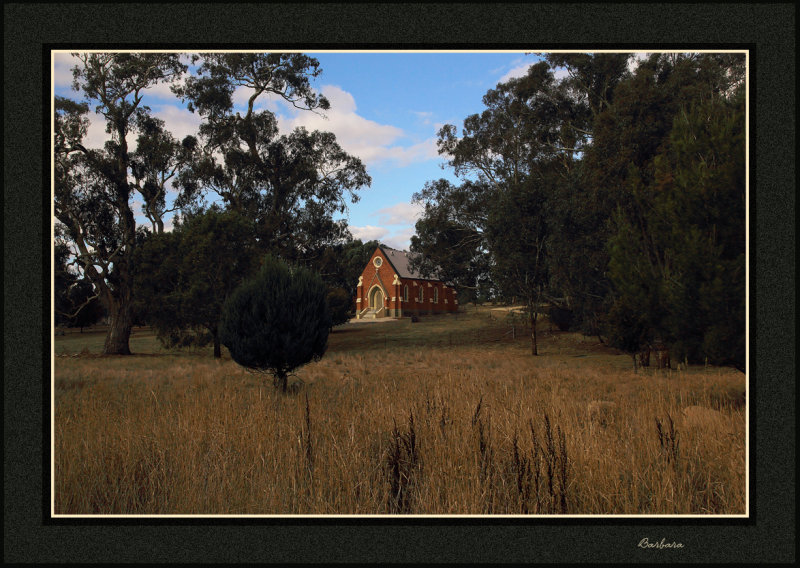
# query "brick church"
(388, 287)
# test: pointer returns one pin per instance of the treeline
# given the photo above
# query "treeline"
(615, 195)
(272, 193)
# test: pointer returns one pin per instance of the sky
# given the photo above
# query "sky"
(386, 108)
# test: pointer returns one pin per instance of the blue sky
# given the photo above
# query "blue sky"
(385, 108)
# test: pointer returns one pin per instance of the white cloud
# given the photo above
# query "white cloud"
(62, 69)
(169, 224)
(404, 156)
(397, 226)
(178, 121)
(96, 135)
(341, 101)
(400, 240)
(423, 116)
(515, 73)
(400, 214)
(372, 142)
(522, 70)
(163, 90)
(368, 232)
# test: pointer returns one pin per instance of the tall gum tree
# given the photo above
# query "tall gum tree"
(507, 154)
(157, 162)
(450, 239)
(290, 185)
(94, 187)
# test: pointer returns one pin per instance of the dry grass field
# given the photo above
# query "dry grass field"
(448, 416)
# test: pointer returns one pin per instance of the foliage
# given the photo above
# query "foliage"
(561, 317)
(494, 226)
(517, 236)
(184, 276)
(676, 257)
(616, 194)
(158, 160)
(580, 205)
(63, 277)
(277, 321)
(449, 239)
(89, 309)
(76, 303)
(340, 304)
(289, 185)
(689, 245)
(341, 263)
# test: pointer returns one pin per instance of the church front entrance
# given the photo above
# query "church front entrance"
(376, 298)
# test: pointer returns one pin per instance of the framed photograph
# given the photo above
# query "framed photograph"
(413, 296)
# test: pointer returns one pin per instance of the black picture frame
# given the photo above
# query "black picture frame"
(32, 29)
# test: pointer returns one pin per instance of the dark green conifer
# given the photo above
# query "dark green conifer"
(277, 321)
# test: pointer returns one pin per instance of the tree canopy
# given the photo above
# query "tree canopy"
(616, 194)
(287, 186)
(184, 276)
(290, 184)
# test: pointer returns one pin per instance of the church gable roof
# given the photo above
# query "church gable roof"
(401, 260)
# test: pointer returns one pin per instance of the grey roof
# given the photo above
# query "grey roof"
(400, 260)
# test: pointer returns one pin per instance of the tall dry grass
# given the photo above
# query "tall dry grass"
(440, 430)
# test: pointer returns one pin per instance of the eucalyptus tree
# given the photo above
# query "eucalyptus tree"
(94, 187)
(583, 200)
(75, 302)
(155, 165)
(289, 184)
(450, 235)
(507, 156)
(517, 233)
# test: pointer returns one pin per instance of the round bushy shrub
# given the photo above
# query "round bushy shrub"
(277, 321)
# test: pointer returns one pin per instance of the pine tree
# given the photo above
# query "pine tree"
(677, 255)
(277, 321)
